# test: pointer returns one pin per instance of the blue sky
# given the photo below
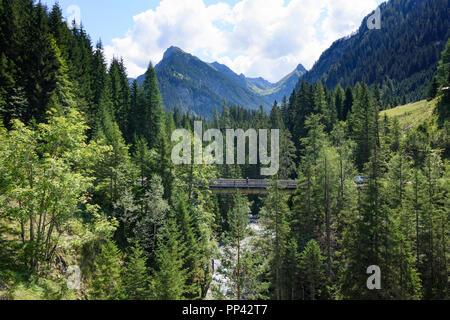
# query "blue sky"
(106, 19)
(253, 37)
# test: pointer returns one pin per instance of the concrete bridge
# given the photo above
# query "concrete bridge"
(250, 186)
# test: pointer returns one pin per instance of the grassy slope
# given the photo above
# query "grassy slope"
(412, 114)
(17, 284)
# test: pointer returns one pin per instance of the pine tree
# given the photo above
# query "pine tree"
(364, 125)
(339, 99)
(169, 278)
(154, 210)
(151, 110)
(443, 79)
(232, 265)
(144, 160)
(311, 268)
(99, 81)
(106, 283)
(433, 223)
(365, 236)
(40, 66)
(115, 172)
(348, 103)
(275, 215)
(303, 107)
(63, 97)
(191, 258)
(136, 279)
(287, 156)
(120, 96)
(401, 278)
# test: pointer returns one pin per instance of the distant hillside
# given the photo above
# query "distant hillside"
(270, 91)
(191, 85)
(284, 87)
(402, 55)
(412, 114)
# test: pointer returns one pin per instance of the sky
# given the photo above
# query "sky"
(257, 38)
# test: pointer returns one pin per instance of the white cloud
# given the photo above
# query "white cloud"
(256, 38)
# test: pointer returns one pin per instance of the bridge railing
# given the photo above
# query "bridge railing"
(250, 184)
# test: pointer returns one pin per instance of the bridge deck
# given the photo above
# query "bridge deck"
(254, 186)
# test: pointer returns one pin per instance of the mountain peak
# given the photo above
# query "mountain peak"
(171, 50)
(301, 68)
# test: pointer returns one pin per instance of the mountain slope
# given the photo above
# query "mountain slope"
(270, 91)
(410, 115)
(402, 55)
(284, 87)
(191, 85)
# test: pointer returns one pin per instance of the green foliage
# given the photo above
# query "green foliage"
(242, 263)
(136, 279)
(86, 174)
(153, 216)
(106, 283)
(275, 215)
(169, 280)
(312, 268)
(45, 174)
(364, 124)
(443, 80)
(402, 57)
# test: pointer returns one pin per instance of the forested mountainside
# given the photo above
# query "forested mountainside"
(189, 84)
(401, 56)
(269, 91)
(92, 207)
(192, 85)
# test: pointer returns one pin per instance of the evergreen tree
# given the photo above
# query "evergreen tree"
(275, 215)
(115, 172)
(311, 268)
(348, 103)
(364, 120)
(191, 258)
(40, 65)
(106, 283)
(233, 266)
(443, 79)
(339, 100)
(154, 210)
(169, 279)
(136, 280)
(151, 110)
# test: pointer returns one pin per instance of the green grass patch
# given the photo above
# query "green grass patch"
(411, 115)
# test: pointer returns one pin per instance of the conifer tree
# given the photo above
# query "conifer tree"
(40, 65)
(432, 226)
(348, 103)
(99, 81)
(115, 172)
(136, 279)
(339, 99)
(364, 125)
(191, 258)
(151, 110)
(233, 266)
(154, 210)
(169, 278)
(311, 268)
(275, 215)
(120, 96)
(106, 283)
(443, 79)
